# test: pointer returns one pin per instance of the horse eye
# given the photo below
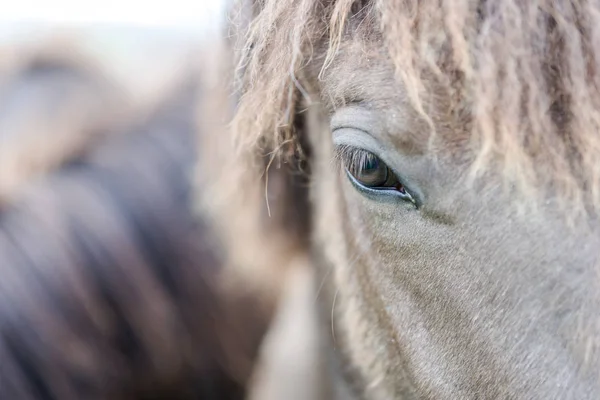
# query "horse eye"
(370, 172)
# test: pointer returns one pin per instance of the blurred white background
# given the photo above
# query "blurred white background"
(191, 15)
(137, 40)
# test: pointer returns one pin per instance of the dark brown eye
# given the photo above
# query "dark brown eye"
(371, 175)
(370, 172)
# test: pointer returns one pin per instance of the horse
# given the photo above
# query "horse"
(435, 164)
(110, 282)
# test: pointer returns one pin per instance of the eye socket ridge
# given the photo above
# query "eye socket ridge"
(370, 174)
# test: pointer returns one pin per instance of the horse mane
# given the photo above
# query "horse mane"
(520, 79)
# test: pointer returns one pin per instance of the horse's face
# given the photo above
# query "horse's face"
(441, 289)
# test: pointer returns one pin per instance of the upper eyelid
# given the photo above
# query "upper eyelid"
(358, 138)
(347, 153)
(355, 117)
(351, 157)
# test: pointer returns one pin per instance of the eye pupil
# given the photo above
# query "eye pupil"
(371, 163)
(372, 172)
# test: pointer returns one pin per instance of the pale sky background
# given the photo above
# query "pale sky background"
(192, 15)
(140, 40)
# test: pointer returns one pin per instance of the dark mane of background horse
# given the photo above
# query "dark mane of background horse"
(109, 284)
(55, 103)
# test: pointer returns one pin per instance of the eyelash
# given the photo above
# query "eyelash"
(356, 161)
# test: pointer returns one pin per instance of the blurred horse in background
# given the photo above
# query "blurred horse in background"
(110, 284)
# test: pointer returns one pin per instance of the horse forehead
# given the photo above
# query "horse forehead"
(362, 73)
(360, 70)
